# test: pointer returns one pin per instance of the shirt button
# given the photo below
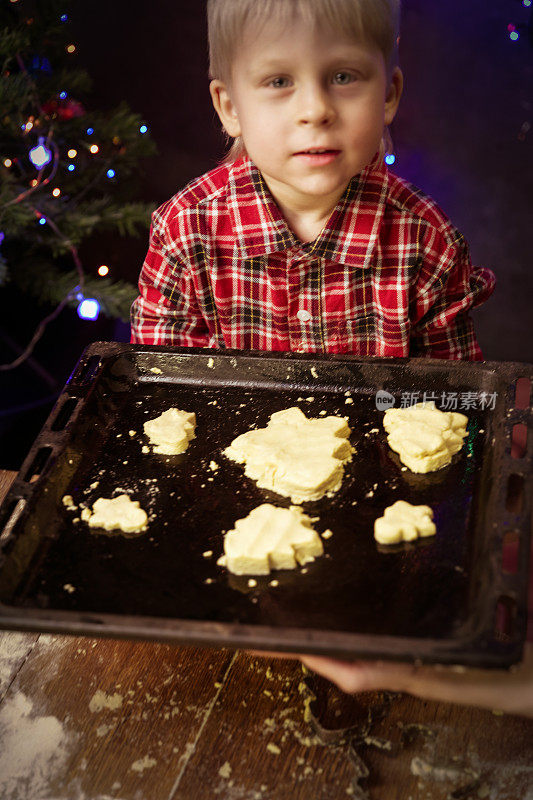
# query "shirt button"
(303, 315)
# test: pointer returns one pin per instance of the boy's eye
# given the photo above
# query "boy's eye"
(278, 83)
(343, 78)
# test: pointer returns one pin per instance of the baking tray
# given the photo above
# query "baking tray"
(453, 598)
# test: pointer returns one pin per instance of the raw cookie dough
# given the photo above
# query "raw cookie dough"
(171, 432)
(119, 513)
(294, 456)
(270, 538)
(424, 437)
(403, 522)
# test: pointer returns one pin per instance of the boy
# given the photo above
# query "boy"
(302, 240)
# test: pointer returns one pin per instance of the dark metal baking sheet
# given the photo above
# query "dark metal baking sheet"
(446, 599)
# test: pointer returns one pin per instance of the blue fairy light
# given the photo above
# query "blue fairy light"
(143, 129)
(89, 131)
(42, 221)
(40, 155)
(71, 167)
(63, 95)
(63, 17)
(526, 3)
(110, 173)
(390, 158)
(514, 36)
(89, 309)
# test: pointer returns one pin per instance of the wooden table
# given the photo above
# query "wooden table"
(94, 719)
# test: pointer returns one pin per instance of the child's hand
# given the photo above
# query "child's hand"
(511, 692)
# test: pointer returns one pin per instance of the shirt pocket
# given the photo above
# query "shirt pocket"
(372, 335)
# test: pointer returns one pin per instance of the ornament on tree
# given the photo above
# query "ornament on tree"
(63, 109)
(40, 155)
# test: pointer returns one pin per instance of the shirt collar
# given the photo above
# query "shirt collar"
(349, 236)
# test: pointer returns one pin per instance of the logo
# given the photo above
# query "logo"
(384, 400)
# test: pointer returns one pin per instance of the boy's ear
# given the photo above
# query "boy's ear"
(225, 108)
(394, 93)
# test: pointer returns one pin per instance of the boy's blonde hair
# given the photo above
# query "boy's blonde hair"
(376, 22)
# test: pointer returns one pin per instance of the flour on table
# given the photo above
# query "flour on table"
(295, 456)
(118, 513)
(100, 701)
(14, 647)
(143, 763)
(403, 522)
(270, 538)
(424, 437)
(34, 750)
(171, 431)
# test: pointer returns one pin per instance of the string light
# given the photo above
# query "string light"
(63, 17)
(56, 192)
(7, 162)
(526, 3)
(40, 155)
(94, 148)
(89, 308)
(34, 182)
(390, 158)
(28, 126)
(62, 95)
(143, 129)
(71, 167)
(513, 33)
(72, 153)
(103, 270)
(42, 221)
(71, 48)
(89, 131)
(110, 173)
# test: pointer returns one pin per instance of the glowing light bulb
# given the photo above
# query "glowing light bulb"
(34, 182)
(89, 131)
(63, 18)
(72, 153)
(103, 270)
(71, 48)
(29, 125)
(514, 36)
(8, 162)
(143, 129)
(42, 221)
(62, 95)
(71, 167)
(40, 155)
(94, 148)
(88, 309)
(110, 173)
(56, 192)
(390, 158)
(526, 3)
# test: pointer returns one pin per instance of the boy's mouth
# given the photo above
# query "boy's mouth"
(318, 156)
(316, 151)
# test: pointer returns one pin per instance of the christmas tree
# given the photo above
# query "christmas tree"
(67, 171)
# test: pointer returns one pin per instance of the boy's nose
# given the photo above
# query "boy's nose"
(315, 107)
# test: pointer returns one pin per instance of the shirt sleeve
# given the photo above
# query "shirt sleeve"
(166, 310)
(448, 287)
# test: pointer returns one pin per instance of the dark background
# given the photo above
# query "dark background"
(462, 135)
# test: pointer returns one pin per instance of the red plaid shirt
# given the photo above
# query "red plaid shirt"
(388, 276)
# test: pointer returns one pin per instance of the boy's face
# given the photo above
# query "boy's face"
(300, 89)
